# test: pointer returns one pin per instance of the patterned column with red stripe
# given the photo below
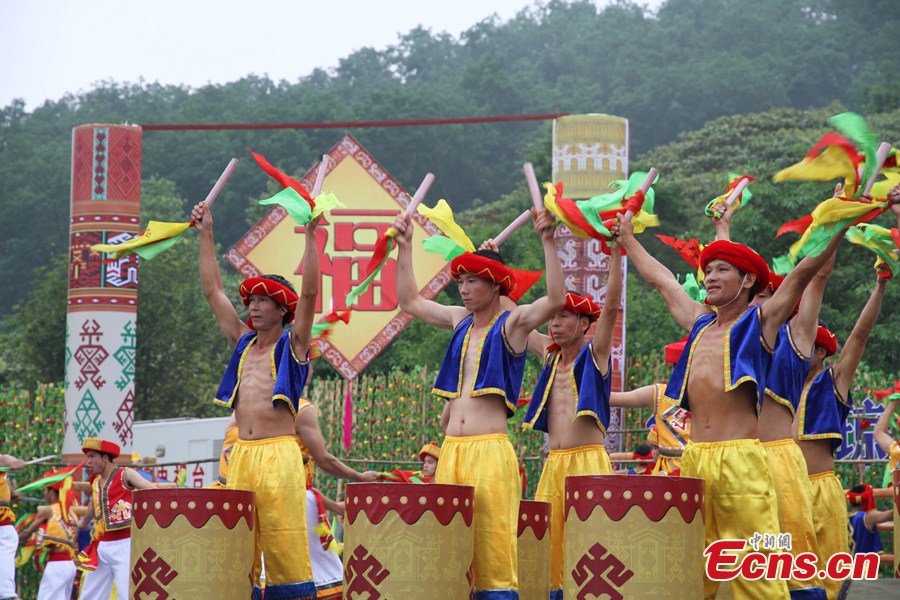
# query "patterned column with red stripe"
(101, 327)
(590, 152)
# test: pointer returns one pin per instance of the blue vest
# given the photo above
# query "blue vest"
(589, 388)
(822, 411)
(787, 375)
(747, 356)
(288, 372)
(499, 368)
(863, 540)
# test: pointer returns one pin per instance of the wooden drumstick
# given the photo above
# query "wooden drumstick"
(512, 227)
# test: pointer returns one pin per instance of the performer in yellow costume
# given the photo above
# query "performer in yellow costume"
(824, 406)
(480, 377)
(570, 401)
(784, 386)
(720, 378)
(672, 429)
(263, 383)
(54, 530)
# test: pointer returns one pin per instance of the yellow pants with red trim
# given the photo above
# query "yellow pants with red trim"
(794, 495)
(667, 465)
(488, 463)
(739, 501)
(583, 460)
(829, 506)
(273, 468)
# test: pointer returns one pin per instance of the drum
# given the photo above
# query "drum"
(406, 540)
(534, 550)
(634, 536)
(192, 543)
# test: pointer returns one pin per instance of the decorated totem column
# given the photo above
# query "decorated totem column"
(590, 152)
(102, 299)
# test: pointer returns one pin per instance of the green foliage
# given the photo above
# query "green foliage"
(180, 351)
(694, 170)
(669, 72)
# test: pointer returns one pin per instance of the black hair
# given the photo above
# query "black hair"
(490, 254)
(643, 449)
(279, 279)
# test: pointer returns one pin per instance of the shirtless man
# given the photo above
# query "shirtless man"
(266, 458)
(574, 366)
(481, 380)
(824, 405)
(724, 399)
(784, 386)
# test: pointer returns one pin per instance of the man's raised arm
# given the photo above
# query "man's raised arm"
(806, 321)
(433, 313)
(683, 308)
(211, 278)
(301, 330)
(852, 352)
(527, 317)
(603, 333)
(779, 307)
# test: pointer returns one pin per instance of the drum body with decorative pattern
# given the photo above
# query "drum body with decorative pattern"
(634, 536)
(192, 543)
(406, 540)
(534, 550)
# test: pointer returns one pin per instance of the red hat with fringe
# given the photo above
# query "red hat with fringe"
(512, 283)
(583, 305)
(866, 497)
(826, 339)
(263, 286)
(739, 256)
(98, 445)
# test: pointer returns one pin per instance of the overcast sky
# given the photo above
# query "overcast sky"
(50, 47)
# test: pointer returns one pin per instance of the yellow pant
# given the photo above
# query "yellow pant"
(830, 519)
(667, 465)
(273, 468)
(739, 501)
(794, 494)
(584, 460)
(488, 463)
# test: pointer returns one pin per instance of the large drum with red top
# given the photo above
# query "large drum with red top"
(192, 543)
(534, 550)
(634, 536)
(406, 540)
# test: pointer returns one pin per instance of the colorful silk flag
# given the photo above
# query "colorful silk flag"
(733, 180)
(828, 219)
(833, 157)
(157, 237)
(853, 127)
(43, 482)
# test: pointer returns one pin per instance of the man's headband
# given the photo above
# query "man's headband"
(262, 286)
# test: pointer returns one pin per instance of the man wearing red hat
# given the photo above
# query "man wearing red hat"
(570, 401)
(784, 387)
(824, 406)
(108, 558)
(56, 538)
(672, 431)
(264, 383)
(864, 519)
(720, 378)
(9, 540)
(481, 376)
(430, 454)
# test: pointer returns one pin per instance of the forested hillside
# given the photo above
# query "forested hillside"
(747, 84)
